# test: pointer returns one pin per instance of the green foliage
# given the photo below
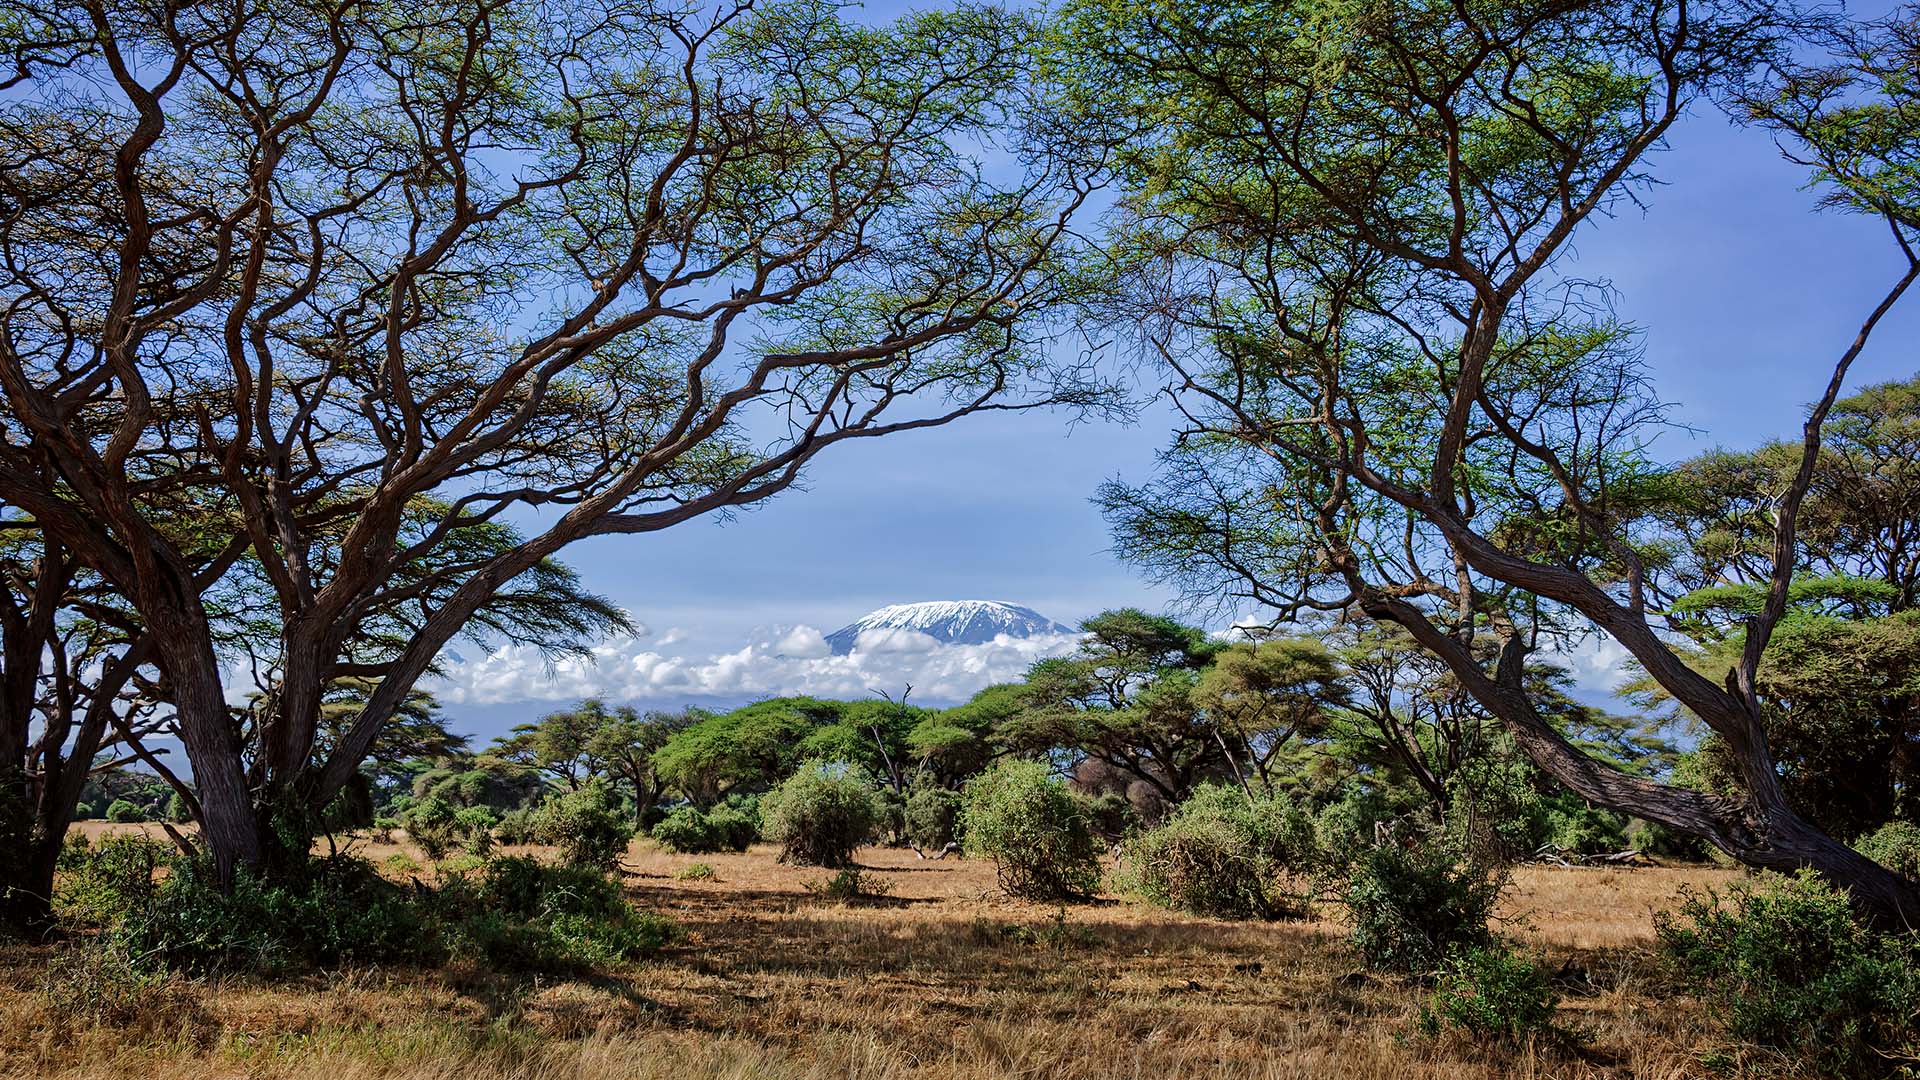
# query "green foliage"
(1575, 825)
(500, 785)
(697, 872)
(516, 827)
(1413, 905)
(1225, 854)
(509, 913)
(1490, 992)
(1034, 830)
(1126, 700)
(820, 814)
(177, 810)
(748, 749)
(475, 824)
(586, 825)
(850, 884)
(433, 822)
(94, 886)
(522, 914)
(1790, 973)
(932, 816)
(690, 830)
(1896, 846)
(122, 811)
(336, 911)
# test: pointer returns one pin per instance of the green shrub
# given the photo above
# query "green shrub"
(522, 914)
(1413, 905)
(1653, 838)
(697, 872)
(850, 884)
(1788, 971)
(1495, 811)
(690, 830)
(1109, 815)
(1490, 993)
(336, 911)
(122, 811)
(433, 823)
(820, 814)
(177, 810)
(685, 830)
(1576, 826)
(95, 886)
(1034, 830)
(475, 824)
(515, 827)
(932, 817)
(509, 913)
(400, 863)
(1224, 854)
(587, 826)
(1896, 846)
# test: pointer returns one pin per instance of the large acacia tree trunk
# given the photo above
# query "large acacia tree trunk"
(228, 819)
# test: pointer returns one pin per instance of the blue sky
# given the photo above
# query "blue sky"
(1745, 291)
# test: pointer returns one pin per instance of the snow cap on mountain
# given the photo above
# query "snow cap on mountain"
(949, 622)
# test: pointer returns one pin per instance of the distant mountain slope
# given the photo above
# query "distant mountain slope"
(953, 622)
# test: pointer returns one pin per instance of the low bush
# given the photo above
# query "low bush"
(588, 826)
(522, 914)
(689, 830)
(932, 817)
(1573, 825)
(1025, 820)
(96, 885)
(1413, 905)
(515, 827)
(820, 814)
(1223, 853)
(1790, 973)
(1490, 992)
(432, 823)
(475, 825)
(509, 913)
(336, 911)
(122, 811)
(1896, 846)
(697, 872)
(850, 884)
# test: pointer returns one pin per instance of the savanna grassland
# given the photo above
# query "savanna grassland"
(936, 975)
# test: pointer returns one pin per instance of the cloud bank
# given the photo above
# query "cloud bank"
(779, 661)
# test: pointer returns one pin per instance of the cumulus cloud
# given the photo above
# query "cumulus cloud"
(1598, 664)
(783, 660)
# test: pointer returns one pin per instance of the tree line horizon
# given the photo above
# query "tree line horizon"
(308, 302)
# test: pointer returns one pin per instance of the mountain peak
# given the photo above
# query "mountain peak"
(951, 622)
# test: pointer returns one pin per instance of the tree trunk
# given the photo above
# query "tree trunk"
(228, 821)
(26, 890)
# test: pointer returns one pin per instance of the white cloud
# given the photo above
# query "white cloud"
(803, 643)
(783, 660)
(1598, 664)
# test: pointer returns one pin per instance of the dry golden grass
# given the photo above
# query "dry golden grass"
(926, 982)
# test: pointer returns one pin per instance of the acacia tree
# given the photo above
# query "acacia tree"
(1344, 240)
(1125, 699)
(309, 266)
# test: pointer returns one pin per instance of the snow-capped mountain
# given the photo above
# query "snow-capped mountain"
(953, 622)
